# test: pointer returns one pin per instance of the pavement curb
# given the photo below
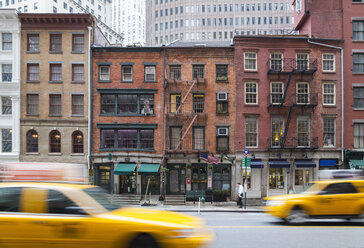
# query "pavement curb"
(215, 211)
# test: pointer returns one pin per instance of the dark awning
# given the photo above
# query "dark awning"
(257, 163)
(304, 163)
(328, 162)
(279, 163)
(148, 169)
(124, 169)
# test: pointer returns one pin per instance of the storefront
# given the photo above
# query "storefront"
(176, 179)
(127, 178)
(221, 181)
(303, 174)
(277, 180)
(199, 176)
(150, 180)
(103, 174)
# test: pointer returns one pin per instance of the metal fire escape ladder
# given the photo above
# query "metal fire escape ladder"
(185, 95)
(286, 89)
(187, 126)
(287, 126)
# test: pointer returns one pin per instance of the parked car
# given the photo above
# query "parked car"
(324, 199)
(43, 214)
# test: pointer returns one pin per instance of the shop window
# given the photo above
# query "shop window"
(199, 176)
(276, 178)
(302, 177)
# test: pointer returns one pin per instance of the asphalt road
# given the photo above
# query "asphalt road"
(260, 230)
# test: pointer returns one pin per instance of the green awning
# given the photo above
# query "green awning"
(124, 169)
(357, 164)
(148, 169)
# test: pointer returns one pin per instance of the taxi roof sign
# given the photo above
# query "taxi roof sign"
(44, 172)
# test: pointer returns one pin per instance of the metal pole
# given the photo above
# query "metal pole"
(246, 180)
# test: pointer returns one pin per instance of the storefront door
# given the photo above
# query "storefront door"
(277, 181)
(302, 177)
(127, 184)
(176, 182)
(103, 176)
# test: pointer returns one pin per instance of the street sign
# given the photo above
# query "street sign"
(246, 151)
(248, 162)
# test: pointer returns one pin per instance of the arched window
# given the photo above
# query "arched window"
(32, 141)
(77, 142)
(55, 141)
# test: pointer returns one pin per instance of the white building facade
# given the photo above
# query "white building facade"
(9, 85)
(128, 17)
(215, 20)
(100, 9)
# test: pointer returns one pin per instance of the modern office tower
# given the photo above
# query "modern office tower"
(128, 17)
(100, 9)
(215, 20)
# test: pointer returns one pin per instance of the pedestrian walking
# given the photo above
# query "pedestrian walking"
(240, 195)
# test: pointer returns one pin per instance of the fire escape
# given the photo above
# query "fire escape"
(284, 101)
(185, 108)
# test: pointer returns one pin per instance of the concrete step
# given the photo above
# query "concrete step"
(126, 199)
(175, 200)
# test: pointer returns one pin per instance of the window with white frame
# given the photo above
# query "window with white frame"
(104, 72)
(359, 135)
(6, 140)
(303, 131)
(127, 73)
(251, 132)
(6, 72)
(302, 61)
(328, 62)
(328, 94)
(276, 92)
(303, 93)
(277, 131)
(250, 61)
(6, 105)
(329, 131)
(7, 41)
(251, 93)
(149, 73)
(276, 61)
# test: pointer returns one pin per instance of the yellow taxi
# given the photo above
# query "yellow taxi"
(324, 199)
(41, 214)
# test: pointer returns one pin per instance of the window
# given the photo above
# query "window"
(58, 203)
(328, 62)
(55, 43)
(358, 30)
(222, 139)
(104, 72)
(55, 141)
(149, 72)
(33, 72)
(33, 43)
(7, 72)
(32, 104)
(358, 62)
(198, 72)
(329, 132)
(198, 138)
(222, 103)
(276, 178)
(78, 43)
(303, 131)
(250, 61)
(175, 137)
(127, 139)
(78, 73)
(77, 142)
(55, 104)
(10, 199)
(303, 93)
(277, 131)
(55, 72)
(221, 72)
(302, 177)
(359, 135)
(175, 72)
(32, 141)
(6, 140)
(7, 41)
(251, 93)
(77, 105)
(126, 104)
(276, 92)
(6, 105)
(198, 102)
(339, 188)
(221, 177)
(175, 103)
(328, 92)
(358, 97)
(302, 62)
(276, 61)
(251, 132)
(127, 73)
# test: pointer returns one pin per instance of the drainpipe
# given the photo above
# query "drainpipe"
(164, 121)
(342, 91)
(89, 98)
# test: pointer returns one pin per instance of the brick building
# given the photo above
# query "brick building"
(54, 87)
(127, 119)
(342, 20)
(288, 110)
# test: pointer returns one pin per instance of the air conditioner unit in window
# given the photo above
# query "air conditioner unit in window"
(222, 96)
(222, 131)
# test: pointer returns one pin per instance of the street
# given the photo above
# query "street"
(261, 230)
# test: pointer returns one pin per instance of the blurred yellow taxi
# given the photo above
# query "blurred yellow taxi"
(342, 199)
(64, 215)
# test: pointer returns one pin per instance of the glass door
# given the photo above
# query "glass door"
(176, 182)
(127, 184)
(103, 177)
